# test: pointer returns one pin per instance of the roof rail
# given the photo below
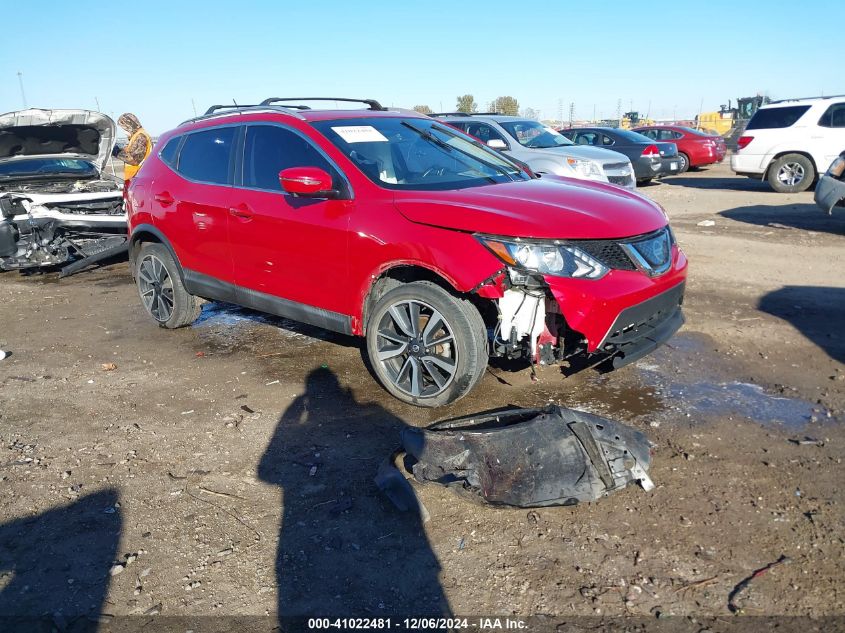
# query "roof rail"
(212, 112)
(371, 103)
(805, 98)
(435, 114)
(214, 108)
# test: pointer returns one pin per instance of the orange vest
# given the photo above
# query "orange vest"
(129, 171)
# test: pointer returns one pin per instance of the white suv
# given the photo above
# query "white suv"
(791, 142)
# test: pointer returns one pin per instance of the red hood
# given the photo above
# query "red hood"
(549, 207)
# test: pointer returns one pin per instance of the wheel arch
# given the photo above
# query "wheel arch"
(392, 275)
(147, 233)
(781, 153)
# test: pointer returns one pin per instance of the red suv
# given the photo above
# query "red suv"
(389, 225)
(695, 148)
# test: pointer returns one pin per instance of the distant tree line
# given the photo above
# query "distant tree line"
(503, 105)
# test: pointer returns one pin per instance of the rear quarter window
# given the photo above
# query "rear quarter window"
(169, 152)
(834, 116)
(773, 118)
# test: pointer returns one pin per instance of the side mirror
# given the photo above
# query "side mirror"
(497, 143)
(307, 182)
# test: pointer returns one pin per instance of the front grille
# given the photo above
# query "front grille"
(653, 252)
(609, 253)
(619, 180)
(614, 253)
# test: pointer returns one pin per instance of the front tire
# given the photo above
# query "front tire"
(792, 173)
(427, 347)
(161, 290)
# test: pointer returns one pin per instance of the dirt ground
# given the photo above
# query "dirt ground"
(227, 468)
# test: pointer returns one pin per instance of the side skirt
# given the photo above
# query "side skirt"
(212, 288)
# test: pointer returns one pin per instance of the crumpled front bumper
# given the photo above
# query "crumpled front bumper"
(623, 302)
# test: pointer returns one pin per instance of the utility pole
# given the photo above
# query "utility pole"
(594, 114)
(571, 112)
(23, 94)
(560, 111)
(619, 113)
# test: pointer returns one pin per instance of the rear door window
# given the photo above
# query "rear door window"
(206, 155)
(834, 116)
(667, 135)
(772, 118)
(268, 149)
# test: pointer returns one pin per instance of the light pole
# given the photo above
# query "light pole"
(23, 94)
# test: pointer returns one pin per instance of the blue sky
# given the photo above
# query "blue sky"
(155, 57)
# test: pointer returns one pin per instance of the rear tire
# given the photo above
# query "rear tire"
(160, 287)
(426, 346)
(683, 159)
(791, 173)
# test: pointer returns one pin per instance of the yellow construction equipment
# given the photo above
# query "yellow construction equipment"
(727, 120)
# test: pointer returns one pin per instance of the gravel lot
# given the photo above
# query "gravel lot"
(227, 468)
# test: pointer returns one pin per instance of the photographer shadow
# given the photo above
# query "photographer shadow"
(54, 566)
(343, 549)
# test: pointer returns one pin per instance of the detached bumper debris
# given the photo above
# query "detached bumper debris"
(520, 457)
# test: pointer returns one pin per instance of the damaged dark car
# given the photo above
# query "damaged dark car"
(57, 206)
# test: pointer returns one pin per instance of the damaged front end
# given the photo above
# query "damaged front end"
(598, 300)
(57, 208)
(60, 233)
(521, 457)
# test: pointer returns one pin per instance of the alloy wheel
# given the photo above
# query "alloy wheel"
(415, 347)
(156, 288)
(790, 174)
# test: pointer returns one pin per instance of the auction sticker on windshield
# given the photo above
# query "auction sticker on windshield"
(360, 134)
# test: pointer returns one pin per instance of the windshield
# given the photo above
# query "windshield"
(47, 167)
(534, 134)
(417, 154)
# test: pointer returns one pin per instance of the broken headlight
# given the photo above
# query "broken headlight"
(546, 258)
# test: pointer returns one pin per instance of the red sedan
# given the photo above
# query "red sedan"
(695, 148)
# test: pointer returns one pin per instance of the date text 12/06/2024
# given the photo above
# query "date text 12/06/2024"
(419, 624)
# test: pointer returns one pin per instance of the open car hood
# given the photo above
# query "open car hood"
(57, 133)
(549, 207)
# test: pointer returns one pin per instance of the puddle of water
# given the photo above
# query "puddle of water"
(604, 396)
(216, 313)
(683, 382)
(710, 399)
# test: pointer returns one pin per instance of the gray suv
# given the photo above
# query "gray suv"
(543, 149)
